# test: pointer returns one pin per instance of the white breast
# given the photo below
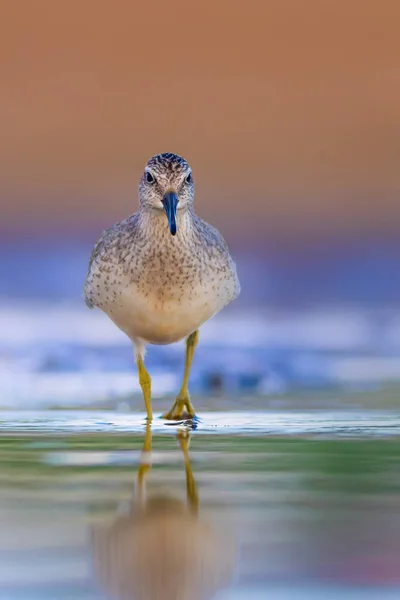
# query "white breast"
(166, 319)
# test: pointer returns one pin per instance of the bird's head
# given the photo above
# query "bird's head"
(167, 185)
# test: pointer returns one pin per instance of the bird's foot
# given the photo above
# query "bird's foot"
(182, 410)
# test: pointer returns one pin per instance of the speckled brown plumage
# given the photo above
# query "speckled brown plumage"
(159, 288)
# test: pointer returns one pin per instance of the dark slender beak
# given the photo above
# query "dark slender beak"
(170, 202)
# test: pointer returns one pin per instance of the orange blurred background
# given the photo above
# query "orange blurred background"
(288, 111)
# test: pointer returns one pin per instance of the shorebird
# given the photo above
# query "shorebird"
(162, 272)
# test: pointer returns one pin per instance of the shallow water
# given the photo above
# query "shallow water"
(360, 423)
(293, 484)
(290, 505)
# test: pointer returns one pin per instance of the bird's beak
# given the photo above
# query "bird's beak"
(170, 202)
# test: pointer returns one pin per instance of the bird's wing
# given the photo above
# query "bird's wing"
(213, 236)
(106, 249)
(220, 249)
(97, 251)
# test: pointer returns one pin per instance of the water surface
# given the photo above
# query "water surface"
(299, 505)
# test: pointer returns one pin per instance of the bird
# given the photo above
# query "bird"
(162, 272)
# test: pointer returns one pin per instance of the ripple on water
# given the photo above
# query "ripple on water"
(361, 423)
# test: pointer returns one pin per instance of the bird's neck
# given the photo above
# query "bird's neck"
(155, 223)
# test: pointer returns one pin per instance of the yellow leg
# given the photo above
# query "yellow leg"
(183, 408)
(191, 487)
(145, 384)
(145, 463)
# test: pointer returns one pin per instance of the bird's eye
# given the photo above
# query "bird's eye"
(149, 177)
(189, 178)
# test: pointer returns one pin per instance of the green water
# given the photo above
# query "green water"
(292, 515)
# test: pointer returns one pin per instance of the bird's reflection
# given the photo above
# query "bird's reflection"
(162, 549)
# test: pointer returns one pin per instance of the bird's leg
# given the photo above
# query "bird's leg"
(144, 465)
(191, 487)
(145, 384)
(182, 402)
